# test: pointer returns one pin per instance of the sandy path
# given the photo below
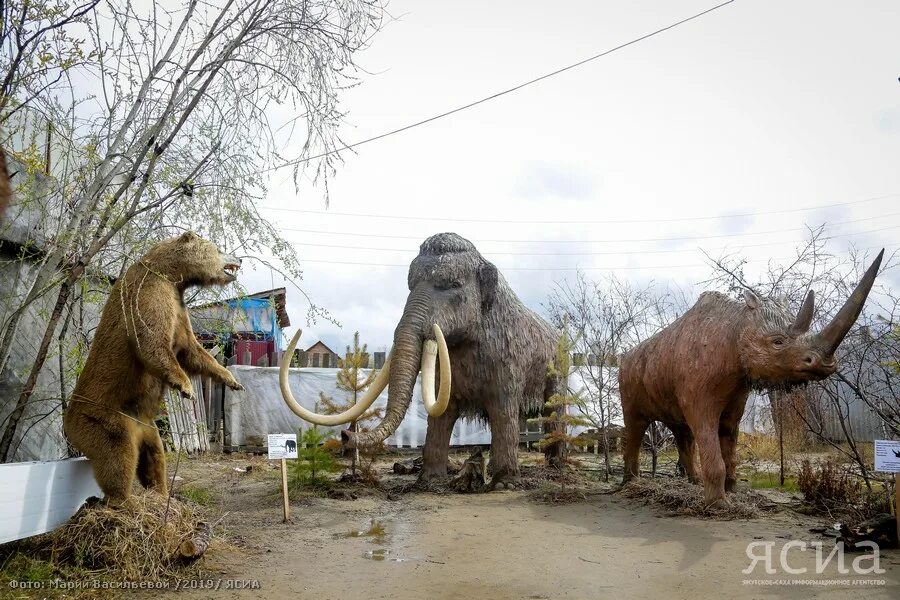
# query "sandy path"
(502, 545)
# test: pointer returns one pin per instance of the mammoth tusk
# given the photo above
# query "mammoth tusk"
(431, 350)
(349, 415)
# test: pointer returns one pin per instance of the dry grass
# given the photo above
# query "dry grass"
(680, 497)
(139, 540)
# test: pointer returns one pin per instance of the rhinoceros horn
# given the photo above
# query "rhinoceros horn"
(804, 317)
(833, 333)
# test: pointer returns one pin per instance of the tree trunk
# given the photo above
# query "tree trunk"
(605, 436)
(19, 410)
(471, 477)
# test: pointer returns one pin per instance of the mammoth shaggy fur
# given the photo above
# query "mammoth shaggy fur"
(499, 351)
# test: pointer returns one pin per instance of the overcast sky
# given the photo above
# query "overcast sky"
(761, 106)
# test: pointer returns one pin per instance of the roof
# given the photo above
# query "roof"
(321, 343)
(280, 298)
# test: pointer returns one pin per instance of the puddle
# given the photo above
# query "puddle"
(376, 530)
(380, 532)
(383, 554)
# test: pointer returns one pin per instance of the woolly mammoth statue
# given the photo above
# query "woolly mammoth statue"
(695, 375)
(461, 310)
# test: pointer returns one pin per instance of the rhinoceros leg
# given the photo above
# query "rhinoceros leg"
(635, 426)
(705, 426)
(728, 445)
(437, 443)
(687, 450)
(728, 434)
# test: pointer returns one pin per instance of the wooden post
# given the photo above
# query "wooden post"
(284, 490)
(897, 502)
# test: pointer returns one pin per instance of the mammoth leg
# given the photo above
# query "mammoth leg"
(635, 426)
(712, 465)
(687, 450)
(503, 465)
(437, 443)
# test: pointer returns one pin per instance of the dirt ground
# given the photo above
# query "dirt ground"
(498, 545)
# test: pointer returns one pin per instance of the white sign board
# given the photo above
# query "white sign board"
(282, 445)
(887, 456)
(37, 497)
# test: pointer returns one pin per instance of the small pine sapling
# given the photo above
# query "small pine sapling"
(352, 381)
(560, 421)
(313, 461)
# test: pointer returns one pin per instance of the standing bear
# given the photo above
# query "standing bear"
(144, 343)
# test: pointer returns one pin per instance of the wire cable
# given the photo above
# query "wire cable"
(501, 93)
(603, 241)
(578, 268)
(609, 253)
(574, 221)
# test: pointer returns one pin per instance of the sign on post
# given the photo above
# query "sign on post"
(283, 446)
(887, 456)
(887, 459)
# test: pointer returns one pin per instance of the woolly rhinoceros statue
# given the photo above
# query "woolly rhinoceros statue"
(696, 374)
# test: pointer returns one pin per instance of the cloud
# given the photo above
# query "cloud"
(544, 180)
(888, 120)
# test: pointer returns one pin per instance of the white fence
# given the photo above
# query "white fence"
(37, 497)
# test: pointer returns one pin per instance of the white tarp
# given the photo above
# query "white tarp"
(757, 418)
(259, 410)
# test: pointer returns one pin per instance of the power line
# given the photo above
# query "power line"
(604, 241)
(610, 253)
(502, 268)
(574, 221)
(499, 94)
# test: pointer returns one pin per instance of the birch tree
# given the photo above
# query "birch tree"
(170, 120)
(607, 317)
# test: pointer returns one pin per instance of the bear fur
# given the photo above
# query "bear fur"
(143, 344)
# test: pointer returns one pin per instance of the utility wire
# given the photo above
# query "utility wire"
(579, 268)
(608, 253)
(574, 221)
(604, 241)
(498, 94)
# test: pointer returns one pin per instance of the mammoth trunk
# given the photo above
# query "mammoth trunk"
(405, 357)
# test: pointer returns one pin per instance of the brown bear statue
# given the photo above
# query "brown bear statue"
(143, 345)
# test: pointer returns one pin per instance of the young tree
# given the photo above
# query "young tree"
(313, 461)
(169, 121)
(350, 380)
(560, 419)
(607, 317)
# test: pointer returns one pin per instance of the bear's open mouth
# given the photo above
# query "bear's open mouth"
(231, 267)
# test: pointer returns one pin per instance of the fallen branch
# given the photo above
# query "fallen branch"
(193, 548)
